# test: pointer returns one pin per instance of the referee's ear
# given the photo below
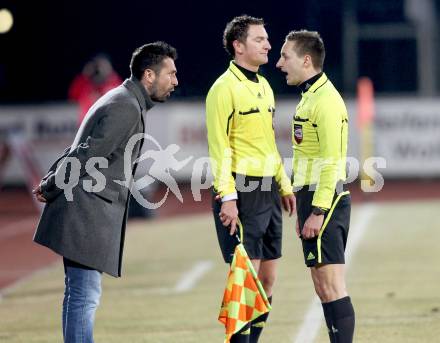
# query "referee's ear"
(238, 47)
(308, 62)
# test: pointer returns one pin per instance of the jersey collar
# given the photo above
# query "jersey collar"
(318, 83)
(237, 72)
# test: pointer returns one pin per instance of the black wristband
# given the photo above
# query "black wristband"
(318, 211)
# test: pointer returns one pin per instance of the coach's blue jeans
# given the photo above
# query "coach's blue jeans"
(81, 299)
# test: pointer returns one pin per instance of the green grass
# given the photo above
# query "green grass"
(393, 280)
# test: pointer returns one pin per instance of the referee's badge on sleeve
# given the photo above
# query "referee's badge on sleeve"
(298, 133)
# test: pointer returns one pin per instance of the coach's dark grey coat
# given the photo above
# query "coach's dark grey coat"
(90, 229)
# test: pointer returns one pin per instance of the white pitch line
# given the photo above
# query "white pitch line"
(185, 284)
(18, 283)
(314, 317)
(190, 278)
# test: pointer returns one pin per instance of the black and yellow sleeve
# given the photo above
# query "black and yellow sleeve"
(331, 129)
(219, 112)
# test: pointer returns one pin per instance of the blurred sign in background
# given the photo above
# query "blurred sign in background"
(393, 42)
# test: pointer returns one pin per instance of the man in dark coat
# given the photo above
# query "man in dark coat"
(86, 191)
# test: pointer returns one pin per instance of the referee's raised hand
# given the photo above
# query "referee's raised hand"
(229, 215)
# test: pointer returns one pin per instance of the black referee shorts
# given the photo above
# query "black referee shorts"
(260, 215)
(329, 246)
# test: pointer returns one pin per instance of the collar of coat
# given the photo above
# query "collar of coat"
(135, 86)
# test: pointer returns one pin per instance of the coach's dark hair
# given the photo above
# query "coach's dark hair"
(308, 43)
(237, 29)
(150, 56)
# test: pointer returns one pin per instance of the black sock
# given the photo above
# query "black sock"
(257, 325)
(242, 336)
(328, 321)
(340, 319)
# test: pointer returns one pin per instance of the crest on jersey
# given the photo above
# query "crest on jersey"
(298, 133)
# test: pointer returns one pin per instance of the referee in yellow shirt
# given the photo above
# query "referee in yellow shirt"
(320, 131)
(249, 177)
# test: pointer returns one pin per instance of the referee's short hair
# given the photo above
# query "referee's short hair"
(150, 56)
(308, 43)
(237, 29)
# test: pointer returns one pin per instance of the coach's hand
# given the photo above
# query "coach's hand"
(312, 226)
(38, 194)
(289, 203)
(229, 215)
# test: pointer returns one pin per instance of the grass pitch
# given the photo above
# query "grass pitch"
(393, 279)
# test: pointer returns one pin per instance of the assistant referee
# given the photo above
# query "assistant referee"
(320, 131)
(249, 176)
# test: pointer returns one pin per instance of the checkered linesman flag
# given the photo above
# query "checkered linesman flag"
(244, 298)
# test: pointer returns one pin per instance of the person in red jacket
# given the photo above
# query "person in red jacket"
(96, 79)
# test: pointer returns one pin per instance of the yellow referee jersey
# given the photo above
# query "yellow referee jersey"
(241, 139)
(320, 133)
